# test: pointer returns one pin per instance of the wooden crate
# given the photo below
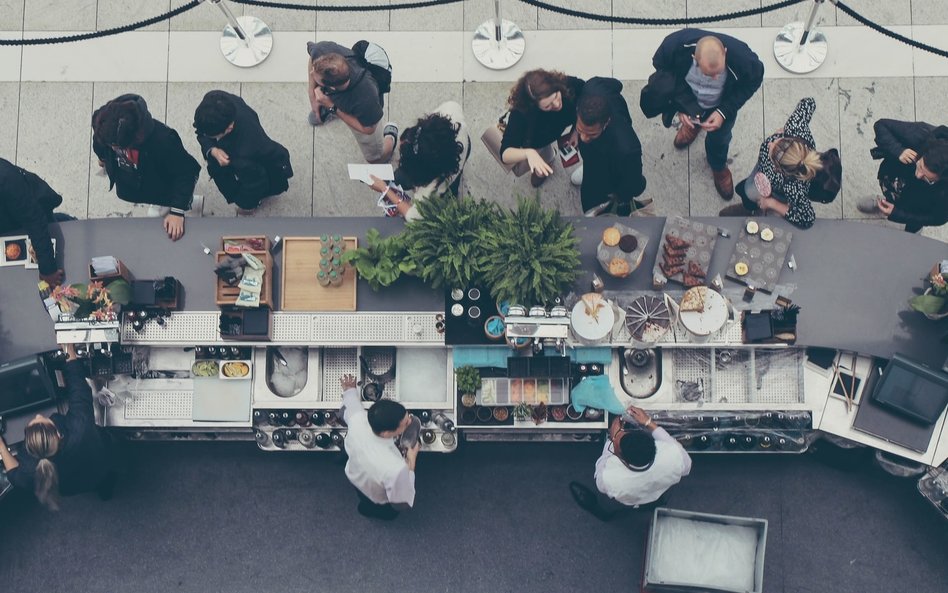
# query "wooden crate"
(227, 295)
(299, 289)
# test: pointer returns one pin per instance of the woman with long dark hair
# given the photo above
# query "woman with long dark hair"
(63, 455)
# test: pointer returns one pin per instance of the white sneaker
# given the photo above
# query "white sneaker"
(577, 177)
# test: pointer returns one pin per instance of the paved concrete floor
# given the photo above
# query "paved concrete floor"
(491, 518)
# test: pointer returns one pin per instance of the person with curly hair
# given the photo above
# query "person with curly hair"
(432, 154)
(542, 105)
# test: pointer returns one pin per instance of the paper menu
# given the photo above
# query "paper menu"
(361, 172)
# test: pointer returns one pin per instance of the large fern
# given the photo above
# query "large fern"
(446, 242)
(530, 255)
(382, 261)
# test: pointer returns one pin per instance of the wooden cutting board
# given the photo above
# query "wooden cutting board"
(300, 290)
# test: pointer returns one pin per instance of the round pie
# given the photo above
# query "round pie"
(619, 267)
(767, 235)
(740, 268)
(751, 227)
(611, 236)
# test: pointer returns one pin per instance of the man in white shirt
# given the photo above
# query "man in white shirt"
(384, 480)
(637, 466)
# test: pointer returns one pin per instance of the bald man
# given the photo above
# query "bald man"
(706, 78)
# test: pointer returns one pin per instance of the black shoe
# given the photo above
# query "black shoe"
(586, 499)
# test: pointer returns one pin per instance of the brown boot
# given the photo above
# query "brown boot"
(685, 136)
(735, 210)
(724, 183)
(536, 180)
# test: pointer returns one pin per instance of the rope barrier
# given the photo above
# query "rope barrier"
(888, 32)
(343, 8)
(694, 20)
(105, 32)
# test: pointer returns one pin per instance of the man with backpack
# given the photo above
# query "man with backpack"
(350, 84)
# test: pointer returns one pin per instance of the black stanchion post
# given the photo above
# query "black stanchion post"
(246, 40)
(799, 48)
(498, 44)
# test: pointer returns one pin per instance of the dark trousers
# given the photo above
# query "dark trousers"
(716, 144)
(367, 508)
(748, 203)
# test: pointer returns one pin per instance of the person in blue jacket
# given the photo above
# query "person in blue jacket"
(63, 455)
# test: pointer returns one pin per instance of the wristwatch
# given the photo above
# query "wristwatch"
(331, 110)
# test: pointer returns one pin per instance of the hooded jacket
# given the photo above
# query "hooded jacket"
(27, 203)
(919, 203)
(165, 174)
(259, 166)
(745, 73)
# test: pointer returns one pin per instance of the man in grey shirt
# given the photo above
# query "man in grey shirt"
(339, 86)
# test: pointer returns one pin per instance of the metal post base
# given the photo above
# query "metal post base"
(498, 55)
(796, 58)
(258, 46)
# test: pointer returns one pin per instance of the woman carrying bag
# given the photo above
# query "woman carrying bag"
(542, 105)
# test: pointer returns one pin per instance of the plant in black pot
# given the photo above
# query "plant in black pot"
(531, 255)
(446, 243)
(382, 261)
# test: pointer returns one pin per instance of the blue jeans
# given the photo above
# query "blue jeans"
(716, 144)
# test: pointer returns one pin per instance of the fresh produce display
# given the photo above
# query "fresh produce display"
(205, 368)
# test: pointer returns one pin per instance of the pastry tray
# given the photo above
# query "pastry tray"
(701, 236)
(764, 259)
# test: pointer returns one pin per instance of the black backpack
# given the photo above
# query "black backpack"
(375, 60)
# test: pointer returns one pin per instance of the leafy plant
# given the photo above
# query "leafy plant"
(932, 301)
(468, 378)
(531, 255)
(447, 243)
(93, 300)
(382, 261)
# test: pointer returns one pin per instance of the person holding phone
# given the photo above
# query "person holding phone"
(705, 79)
(542, 105)
(63, 455)
(639, 463)
(912, 175)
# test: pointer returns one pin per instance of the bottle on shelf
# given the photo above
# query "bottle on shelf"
(443, 422)
(335, 278)
(427, 436)
(702, 442)
(322, 440)
(731, 442)
(448, 440)
(273, 418)
(302, 418)
(260, 418)
(325, 265)
(279, 439)
(329, 417)
(338, 439)
(748, 442)
(765, 442)
(261, 437)
(316, 418)
(424, 416)
(323, 278)
(286, 418)
(307, 438)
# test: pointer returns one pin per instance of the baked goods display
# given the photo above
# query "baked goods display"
(648, 318)
(703, 311)
(687, 247)
(759, 256)
(693, 300)
(621, 250)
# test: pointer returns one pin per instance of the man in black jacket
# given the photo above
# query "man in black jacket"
(912, 174)
(27, 203)
(243, 161)
(704, 78)
(144, 159)
(611, 174)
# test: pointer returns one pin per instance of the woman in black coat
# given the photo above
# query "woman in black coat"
(144, 159)
(243, 161)
(63, 454)
(913, 175)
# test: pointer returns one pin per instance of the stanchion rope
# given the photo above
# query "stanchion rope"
(345, 8)
(628, 20)
(104, 32)
(889, 32)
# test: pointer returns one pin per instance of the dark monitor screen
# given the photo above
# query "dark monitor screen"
(912, 390)
(24, 385)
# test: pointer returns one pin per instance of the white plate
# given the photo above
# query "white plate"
(705, 323)
(588, 328)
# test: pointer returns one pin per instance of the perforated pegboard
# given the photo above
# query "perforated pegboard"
(692, 365)
(337, 362)
(292, 327)
(178, 328)
(375, 328)
(155, 405)
(380, 359)
(730, 379)
(778, 376)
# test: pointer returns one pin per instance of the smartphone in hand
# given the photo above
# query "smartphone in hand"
(569, 156)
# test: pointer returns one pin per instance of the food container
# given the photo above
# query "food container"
(205, 368)
(494, 327)
(573, 414)
(558, 413)
(468, 417)
(516, 311)
(615, 260)
(484, 414)
(236, 369)
(501, 414)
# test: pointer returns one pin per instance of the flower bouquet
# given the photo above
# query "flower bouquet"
(931, 303)
(93, 300)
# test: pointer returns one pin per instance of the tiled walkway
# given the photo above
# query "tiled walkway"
(47, 93)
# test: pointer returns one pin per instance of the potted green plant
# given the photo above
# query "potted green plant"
(932, 302)
(468, 380)
(446, 243)
(531, 255)
(382, 261)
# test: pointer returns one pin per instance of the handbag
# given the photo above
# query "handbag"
(492, 138)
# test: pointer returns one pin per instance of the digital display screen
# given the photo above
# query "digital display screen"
(913, 390)
(24, 385)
